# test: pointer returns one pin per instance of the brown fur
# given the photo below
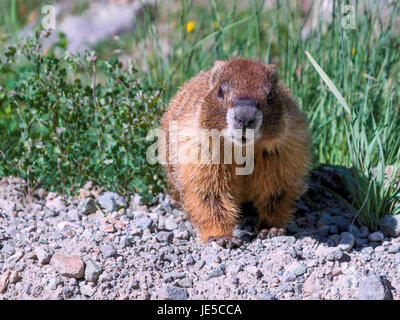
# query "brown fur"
(211, 194)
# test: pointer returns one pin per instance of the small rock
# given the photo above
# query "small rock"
(170, 292)
(87, 206)
(168, 277)
(7, 206)
(217, 272)
(333, 240)
(27, 287)
(330, 253)
(376, 237)
(56, 204)
(284, 239)
(4, 280)
(44, 254)
(253, 270)
(347, 241)
(108, 250)
(284, 287)
(312, 285)
(69, 266)
(374, 288)
(390, 225)
(297, 268)
(144, 223)
(73, 215)
(110, 201)
(288, 276)
(395, 248)
(92, 271)
(48, 213)
(170, 224)
(186, 283)
(87, 290)
(164, 236)
(52, 284)
(267, 296)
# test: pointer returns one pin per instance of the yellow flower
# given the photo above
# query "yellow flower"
(353, 52)
(215, 25)
(190, 26)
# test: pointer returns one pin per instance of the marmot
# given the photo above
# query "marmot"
(238, 94)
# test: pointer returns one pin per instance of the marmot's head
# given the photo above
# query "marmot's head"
(244, 95)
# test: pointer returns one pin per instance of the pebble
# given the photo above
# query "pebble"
(69, 266)
(395, 248)
(87, 206)
(110, 201)
(217, 272)
(288, 276)
(173, 275)
(144, 223)
(87, 290)
(43, 254)
(267, 296)
(164, 236)
(170, 292)
(52, 284)
(374, 288)
(347, 241)
(170, 224)
(297, 268)
(330, 253)
(108, 251)
(390, 225)
(376, 237)
(92, 271)
(73, 215)
(186, 283)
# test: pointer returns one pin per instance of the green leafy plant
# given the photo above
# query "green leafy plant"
(65, 121)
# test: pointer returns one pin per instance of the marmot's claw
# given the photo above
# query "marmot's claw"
(270, 233)
(228, 242)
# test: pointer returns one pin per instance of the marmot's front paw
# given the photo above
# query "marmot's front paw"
(270, 233)
(228, 242)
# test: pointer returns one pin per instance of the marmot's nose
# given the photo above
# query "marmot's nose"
(245, 112)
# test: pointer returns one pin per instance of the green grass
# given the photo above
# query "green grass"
(352, 99)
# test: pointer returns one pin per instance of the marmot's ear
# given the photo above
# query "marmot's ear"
(273, 73)
(215, 71)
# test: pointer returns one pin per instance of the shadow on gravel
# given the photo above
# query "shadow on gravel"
(319, 215)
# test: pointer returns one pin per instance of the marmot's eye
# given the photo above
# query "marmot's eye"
(270, 96)
(220, 93)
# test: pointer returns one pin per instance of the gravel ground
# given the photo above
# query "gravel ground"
(99, 246)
